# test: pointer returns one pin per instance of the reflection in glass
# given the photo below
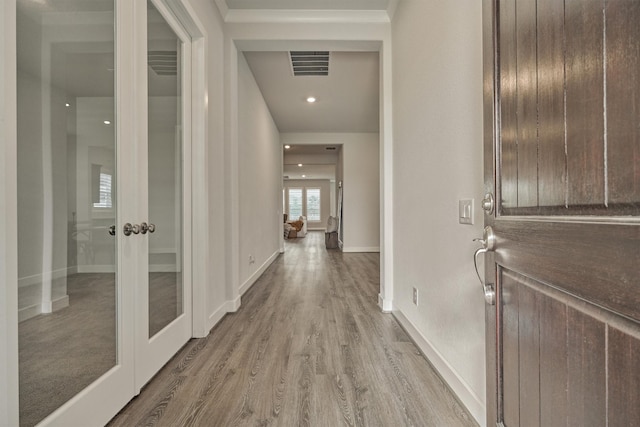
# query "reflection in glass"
(66, 200)
(165, 171)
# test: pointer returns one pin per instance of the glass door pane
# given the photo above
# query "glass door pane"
(164, 55)
(67, 176)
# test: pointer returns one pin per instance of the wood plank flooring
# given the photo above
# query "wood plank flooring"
(308, 347)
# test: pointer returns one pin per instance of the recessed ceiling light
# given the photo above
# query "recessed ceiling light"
(311, 99)
(107, 122)
(304, 176)
(286, 147)
(299, 165)
(67, 104)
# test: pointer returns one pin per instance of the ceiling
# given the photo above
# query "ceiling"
(347, 99)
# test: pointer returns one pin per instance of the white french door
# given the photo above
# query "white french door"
(162, 75)
(95, 119)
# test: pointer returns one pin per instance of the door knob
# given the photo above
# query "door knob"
(488, 203)
(488, 244)
(152, 228)
(127, 229)
(144, 227)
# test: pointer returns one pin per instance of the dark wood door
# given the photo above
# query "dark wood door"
(562, 156)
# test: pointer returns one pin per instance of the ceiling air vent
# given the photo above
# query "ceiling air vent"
(163, 62)
(308, 63)
(330, 148)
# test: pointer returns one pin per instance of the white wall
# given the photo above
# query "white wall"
(361, 193)
(259, 180)
(437, 112)
(358, 166)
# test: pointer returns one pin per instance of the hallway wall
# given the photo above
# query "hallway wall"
(437, 112)
(259, 179)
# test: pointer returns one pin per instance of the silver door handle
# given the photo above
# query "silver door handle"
(127, 229)
(144, 227)
(488, 203)
(488, 244)
(152, 227)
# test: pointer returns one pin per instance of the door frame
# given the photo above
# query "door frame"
(491, 128)
(9, 217)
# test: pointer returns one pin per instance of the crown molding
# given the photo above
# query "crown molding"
(255, 16)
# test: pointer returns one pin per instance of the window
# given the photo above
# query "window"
(295, 203)
(313, 204)
(104, 199)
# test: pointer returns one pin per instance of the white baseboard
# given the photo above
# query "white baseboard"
(29, 312)
(217, 315)
(60, 303)
(252, 279)
(469, 399)
(37, 309)
(96, 269)
(163, 268)
(360, 249)
(385, 305)
(36, 279)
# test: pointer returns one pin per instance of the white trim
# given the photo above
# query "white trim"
(232, 231)
(284, 16)
(60, 303)
(456, 383)
(392, 5)
(96, 268)
(163, 268)
(217, 315)
(386, 174)
(200, 182)
(37, 309)
(222, 8)
(8, 219)
(358, 249)
(386, 306)
(36, 279)
(256, 275)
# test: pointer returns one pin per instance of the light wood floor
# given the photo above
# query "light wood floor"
(308, 347)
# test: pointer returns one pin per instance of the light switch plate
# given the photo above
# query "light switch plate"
(465, 211)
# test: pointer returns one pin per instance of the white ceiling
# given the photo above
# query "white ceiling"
(347, 99)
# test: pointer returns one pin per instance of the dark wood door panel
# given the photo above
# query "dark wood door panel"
(584, 102)
(569, 107)
(623, 101)
(565, 361)
(550, 97)
(586, 369)
(624, 378)
(597, 262)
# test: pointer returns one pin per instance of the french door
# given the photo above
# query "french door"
(562, 242)
(97, 177)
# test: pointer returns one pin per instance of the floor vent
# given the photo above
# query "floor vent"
(163, 62)
(310, 63)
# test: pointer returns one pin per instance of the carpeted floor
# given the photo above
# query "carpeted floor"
(63, 352)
